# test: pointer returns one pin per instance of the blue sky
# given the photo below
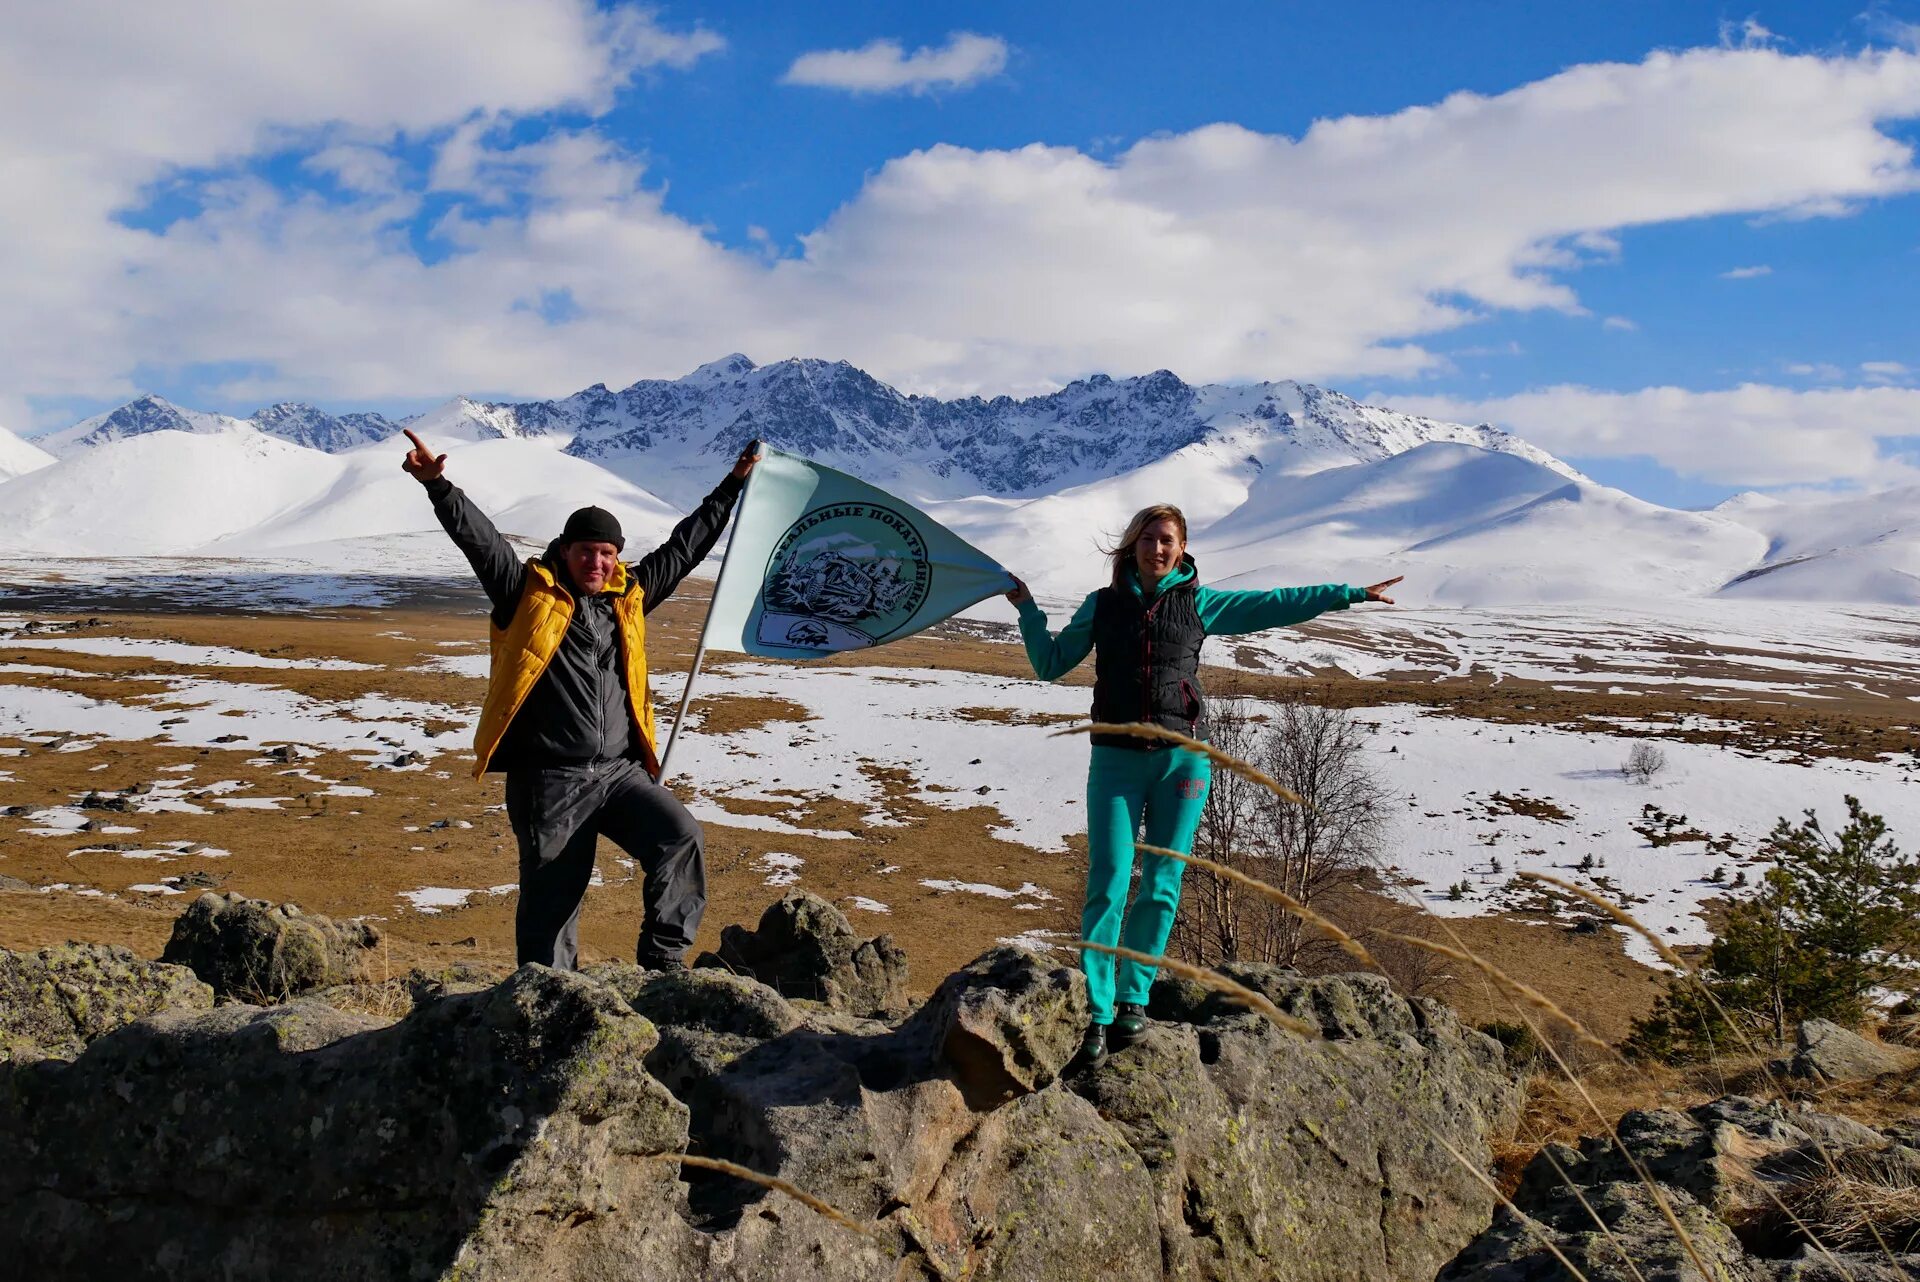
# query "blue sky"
(1670, 241)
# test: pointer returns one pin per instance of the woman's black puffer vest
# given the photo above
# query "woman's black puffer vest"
(1146, 663)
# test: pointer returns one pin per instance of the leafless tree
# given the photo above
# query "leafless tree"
(1643, 762)
(1325, 851)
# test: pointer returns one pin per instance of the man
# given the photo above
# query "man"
(568, 716)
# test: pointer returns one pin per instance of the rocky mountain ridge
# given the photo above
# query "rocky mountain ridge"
(839, 414)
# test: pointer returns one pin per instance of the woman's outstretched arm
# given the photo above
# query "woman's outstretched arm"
(1224, 613)
(1053, 656)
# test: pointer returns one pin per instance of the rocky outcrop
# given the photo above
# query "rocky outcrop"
(1731, 1173)
(805, 947)
(55, 1001)
(256, 951)
(511, 1133)
(528, 1130)
(1825, 1052)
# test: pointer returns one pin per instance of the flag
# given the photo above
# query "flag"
(820, 563)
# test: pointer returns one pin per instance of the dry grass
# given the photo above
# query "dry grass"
(1869, 1202)
(778, 1185)
(1225, 761)
(1347, 943)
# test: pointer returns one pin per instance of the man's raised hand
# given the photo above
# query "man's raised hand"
(421, 463)
(749, 455)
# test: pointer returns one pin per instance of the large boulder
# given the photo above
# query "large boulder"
(805, 947)
(1825, 1052)
(1005, 1025)
(255, 951)
(1732, 1162)
(506, 1134)
(55, 1001)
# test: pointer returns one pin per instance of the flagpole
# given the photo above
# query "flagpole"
(700, 647)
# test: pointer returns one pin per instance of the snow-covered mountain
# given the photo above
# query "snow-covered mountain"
(1281, 483)
(672, 435)
(299, 424)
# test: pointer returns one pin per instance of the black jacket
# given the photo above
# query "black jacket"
(1146, 663)
(578, 711)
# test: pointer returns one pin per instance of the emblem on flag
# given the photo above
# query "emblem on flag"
(843, 576)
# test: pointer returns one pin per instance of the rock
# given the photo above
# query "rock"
(106, 801)
(250, 949)
(13, 884)
(55, 1001)
(1006, 1025)
(1826, 1052)
(804, 947)
(507, 1134)
(527, 1131)
(1358, 1187)
(714, 1000)
(1718, 1164)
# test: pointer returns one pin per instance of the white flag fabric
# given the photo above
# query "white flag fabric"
(821, 563)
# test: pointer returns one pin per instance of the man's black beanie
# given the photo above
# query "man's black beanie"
(593, 525)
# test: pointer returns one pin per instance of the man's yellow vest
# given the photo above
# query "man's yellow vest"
(523, 649)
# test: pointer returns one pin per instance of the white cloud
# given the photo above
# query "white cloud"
(1824, 372)
(1887, 372)
(1754, 434)
(883, 66)
(1620, 323)
(1746, 34)
(1222, 253)
(1746, 273)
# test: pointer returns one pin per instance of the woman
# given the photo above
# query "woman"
(1145, 630)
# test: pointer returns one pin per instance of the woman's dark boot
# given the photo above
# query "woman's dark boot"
(1129, 1021)
(1093, 1046)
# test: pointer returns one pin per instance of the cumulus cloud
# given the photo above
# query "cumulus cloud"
(1886, 372)
(883, 66)
(1754, 434)
(1746, 273)
(1222, 252)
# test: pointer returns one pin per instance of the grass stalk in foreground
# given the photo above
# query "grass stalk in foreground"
(779, 1185)
(1667, 954)
(1348, 944)
(1226, 760)
(1212, 979)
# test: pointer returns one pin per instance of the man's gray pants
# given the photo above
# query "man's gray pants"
(559, 814)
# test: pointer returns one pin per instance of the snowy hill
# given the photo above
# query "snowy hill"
(1862, 547)
(247, 494)
(1465, 525)
(19, 456)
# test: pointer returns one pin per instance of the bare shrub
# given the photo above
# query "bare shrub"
(1313, 852)
(1644, 762)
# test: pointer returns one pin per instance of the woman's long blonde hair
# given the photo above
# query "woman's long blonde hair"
(1122, 552)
